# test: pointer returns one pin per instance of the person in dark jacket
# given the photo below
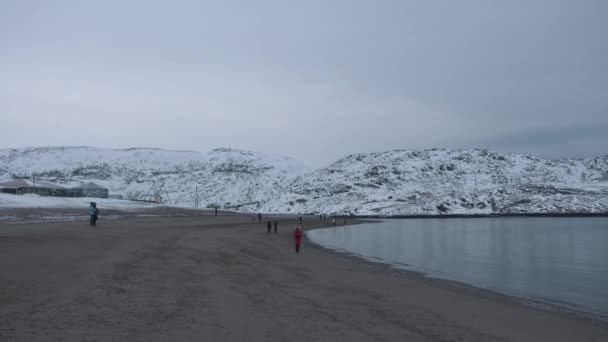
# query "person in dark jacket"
(260, 217)
(93, 212)
(96, 213)
(276, 225)
(297, 238)
(269, 226)
(215, 211)
(300, 218)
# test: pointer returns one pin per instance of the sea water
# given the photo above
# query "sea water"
(562, 261)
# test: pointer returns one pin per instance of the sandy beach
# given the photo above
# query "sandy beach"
(182, 276)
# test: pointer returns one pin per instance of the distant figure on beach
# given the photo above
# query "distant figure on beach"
(300, 218)
(333, 221)
(345, 220)
(93, 212)
(215, 211)
(297, 238)
(269, 226)
(260, 217)
(276, 225)
(320, 217)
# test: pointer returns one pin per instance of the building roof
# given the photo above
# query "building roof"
(27, 183)
(90, 186)
(14, 184)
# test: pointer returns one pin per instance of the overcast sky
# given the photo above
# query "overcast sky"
(314, 80)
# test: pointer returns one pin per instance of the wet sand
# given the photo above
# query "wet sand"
(207, 278)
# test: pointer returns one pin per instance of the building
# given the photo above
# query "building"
(44, 188)
(89, 190)
(27, 186)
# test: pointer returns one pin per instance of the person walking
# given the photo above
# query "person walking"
(300, 218)
(215, 211)
(269, 226)
(260, 217)
(93, 212)
(276, 225)
(333, 221)
(297, 238)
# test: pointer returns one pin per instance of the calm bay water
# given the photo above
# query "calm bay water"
(557, 260)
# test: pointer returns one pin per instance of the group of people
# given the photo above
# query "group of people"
(297, 233)
(275, 224)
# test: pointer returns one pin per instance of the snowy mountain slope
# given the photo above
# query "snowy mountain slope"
(223, 176)
(449, 181)
(400, 182)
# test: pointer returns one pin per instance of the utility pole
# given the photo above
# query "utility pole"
(163, 187)
(156, 191)
(196, 197)
(475, 181)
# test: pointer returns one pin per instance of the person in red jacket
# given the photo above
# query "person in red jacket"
(297, 238)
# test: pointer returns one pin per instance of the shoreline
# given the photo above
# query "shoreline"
(224, 278)
(431, 216)
(534, 303)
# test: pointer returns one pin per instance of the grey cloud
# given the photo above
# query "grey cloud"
(314, 80)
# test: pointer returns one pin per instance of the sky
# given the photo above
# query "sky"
(313, 80)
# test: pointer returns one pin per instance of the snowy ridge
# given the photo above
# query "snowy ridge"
(402, 182)
(223, 176)
(443, 181)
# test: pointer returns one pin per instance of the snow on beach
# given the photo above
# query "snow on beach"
(35, 201)
(30, 208)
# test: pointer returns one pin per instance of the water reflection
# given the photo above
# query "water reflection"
(563, 260)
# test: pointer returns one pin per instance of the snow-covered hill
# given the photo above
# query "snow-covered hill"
(403, 182)
(441, 181)
(228, 177)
